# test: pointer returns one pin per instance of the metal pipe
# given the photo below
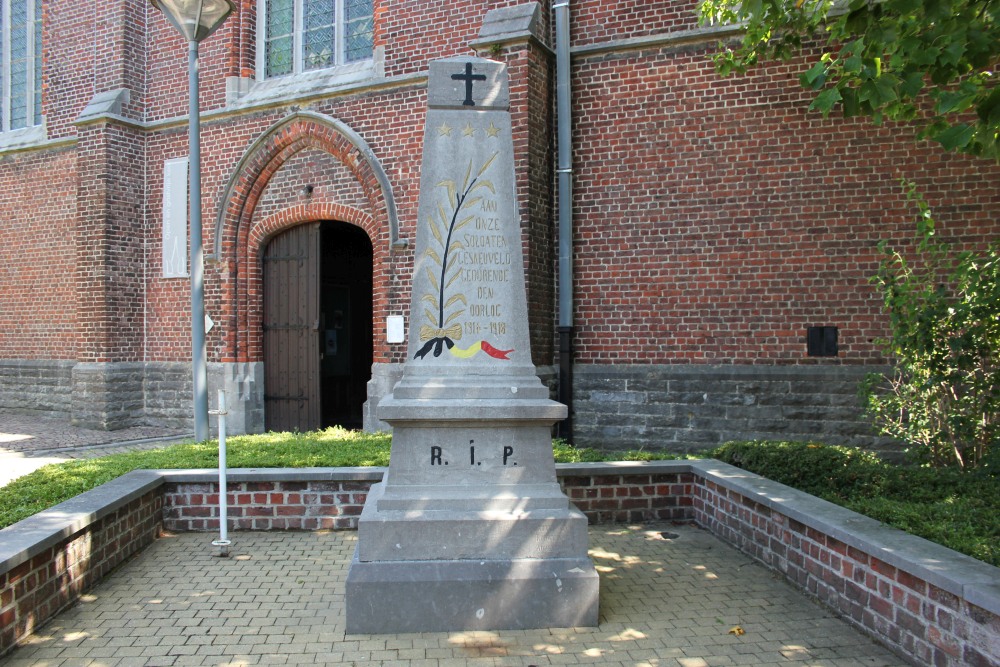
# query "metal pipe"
(223, 542)
(199, 368)
(564, 105)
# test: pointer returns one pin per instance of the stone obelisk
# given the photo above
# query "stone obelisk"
(469, 529)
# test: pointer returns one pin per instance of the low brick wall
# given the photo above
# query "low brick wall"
(930, 604)
(271, 505)
(70, 548)
(191, 502)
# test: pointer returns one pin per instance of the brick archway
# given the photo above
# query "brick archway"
(239, 237)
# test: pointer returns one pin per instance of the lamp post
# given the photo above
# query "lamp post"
(196, 20)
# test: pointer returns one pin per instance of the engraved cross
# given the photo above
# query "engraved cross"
(468, 77)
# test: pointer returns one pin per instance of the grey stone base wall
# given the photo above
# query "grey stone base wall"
(244, 387)
(111, 396)
(29, 386)
(167, 391)
(107, 396)
(688, 408)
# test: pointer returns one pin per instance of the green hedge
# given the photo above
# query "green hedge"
(959, 510)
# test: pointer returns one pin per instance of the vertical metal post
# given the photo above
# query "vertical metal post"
(199, 368)
(223, 542)
(564, 108)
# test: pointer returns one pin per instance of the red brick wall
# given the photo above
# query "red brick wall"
(600, 21)
(110, 235)
(33, 592)
(416, 32)
(68, 71)
(37, 235)
(327, 505)
(716, 219)
(900, 608)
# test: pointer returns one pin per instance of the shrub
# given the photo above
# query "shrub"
(960, 510)
(822, 470)
(942, 397)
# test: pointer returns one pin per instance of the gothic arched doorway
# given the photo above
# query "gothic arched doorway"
(317, 326)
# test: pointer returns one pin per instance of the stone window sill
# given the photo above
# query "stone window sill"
(244, 93)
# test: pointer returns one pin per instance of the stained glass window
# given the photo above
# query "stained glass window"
(304, 35)
(20, 64)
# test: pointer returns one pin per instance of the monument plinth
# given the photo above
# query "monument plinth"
(469, 529)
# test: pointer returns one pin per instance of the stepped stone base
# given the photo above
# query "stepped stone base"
(454, 595)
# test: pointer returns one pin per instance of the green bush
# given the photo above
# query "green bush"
(821, 470)
(943, 396)
(960, 510)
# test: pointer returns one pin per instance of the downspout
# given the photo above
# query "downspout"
(564, 170)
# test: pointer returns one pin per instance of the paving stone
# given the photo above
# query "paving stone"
(658, 608)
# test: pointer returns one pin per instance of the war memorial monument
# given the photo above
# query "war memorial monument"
(469, 529)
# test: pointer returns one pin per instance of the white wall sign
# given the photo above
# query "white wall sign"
(394, 330)
(175, 217)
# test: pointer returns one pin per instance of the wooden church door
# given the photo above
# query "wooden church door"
(292, 399)
(317, 327)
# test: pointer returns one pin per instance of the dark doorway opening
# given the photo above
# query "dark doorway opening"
(317, 326)
(346, 322)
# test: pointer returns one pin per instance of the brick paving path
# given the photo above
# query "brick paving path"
(279, 599)
(28, 442)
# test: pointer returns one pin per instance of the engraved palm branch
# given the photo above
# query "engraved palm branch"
(442, 273)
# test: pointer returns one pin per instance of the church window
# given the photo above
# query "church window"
(304, 35)
(20, 64)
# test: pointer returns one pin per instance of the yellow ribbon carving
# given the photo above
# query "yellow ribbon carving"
(428, 333)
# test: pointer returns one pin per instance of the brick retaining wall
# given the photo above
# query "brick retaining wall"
(72, 549)
(930, 604)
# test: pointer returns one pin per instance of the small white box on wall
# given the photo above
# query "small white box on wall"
(395, 332)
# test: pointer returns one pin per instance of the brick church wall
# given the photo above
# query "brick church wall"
(715, 219)
(37, 234)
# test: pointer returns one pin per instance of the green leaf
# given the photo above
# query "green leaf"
(825, 101)
(957, 101)
(815, 77)
(989, 109)
(955, 137)
(852, 106)
(912, 84)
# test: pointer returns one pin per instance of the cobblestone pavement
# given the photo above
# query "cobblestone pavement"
(29, 442)
(672, 601)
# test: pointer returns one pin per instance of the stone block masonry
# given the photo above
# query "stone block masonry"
(36, 387)
(930, 604)
(685, 408)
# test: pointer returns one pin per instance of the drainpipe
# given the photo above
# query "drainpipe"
(565, 194)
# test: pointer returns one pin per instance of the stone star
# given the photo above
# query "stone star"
(468, 130)
(444, 130)
(492, 130)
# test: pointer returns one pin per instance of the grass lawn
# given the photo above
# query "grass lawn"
(960, 511)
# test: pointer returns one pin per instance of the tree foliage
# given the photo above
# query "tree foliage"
(928, 61)
(943, 396)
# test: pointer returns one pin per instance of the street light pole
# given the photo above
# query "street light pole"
(199, 356)
(195, 20)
